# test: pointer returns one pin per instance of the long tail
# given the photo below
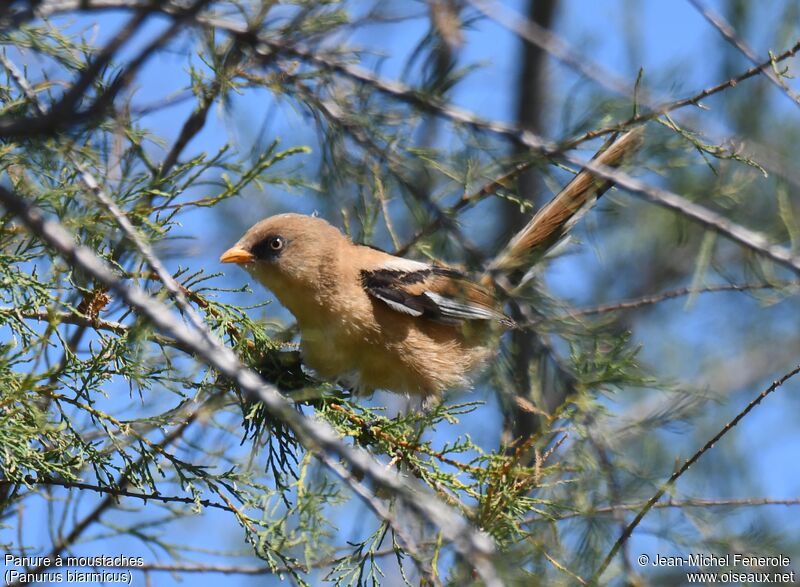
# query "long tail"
(554, 220)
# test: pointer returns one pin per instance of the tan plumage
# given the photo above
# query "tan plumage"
(551, 223)
(377, 321)
(364, 314)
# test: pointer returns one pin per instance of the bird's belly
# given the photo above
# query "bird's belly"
(329, 356)
(416, 364)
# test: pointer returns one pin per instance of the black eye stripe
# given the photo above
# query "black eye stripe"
(269, 247)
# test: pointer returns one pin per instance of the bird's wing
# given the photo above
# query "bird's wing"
(429, 291)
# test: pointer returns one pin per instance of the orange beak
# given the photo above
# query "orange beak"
(237, 255)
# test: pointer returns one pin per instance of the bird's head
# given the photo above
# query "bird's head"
(286, 251)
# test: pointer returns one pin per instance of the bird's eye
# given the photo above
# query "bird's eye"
(269, 248)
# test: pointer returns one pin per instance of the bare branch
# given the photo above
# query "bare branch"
(111, 207)
(548, 41)
(119, 491)
(537, 144)
(80, 527)
(242, 569)
(318, 436)
(685, 467)
(746, 237)
(726, 30)
(555, 46)
(693, 100)
(672, 294)
(65, 113)
(677, 504)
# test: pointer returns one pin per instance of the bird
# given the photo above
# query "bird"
(371, 320)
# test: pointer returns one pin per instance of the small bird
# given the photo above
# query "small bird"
(373, 320)
(366, 317)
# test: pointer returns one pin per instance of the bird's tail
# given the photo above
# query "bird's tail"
(554, 220)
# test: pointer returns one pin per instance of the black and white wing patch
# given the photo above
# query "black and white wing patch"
(426, 291)
(398, 300)
(462, 310)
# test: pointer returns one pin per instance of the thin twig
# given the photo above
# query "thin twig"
(567, 55)
(111, 207)
(465, 202)
(551, 43)
(708, 218)
(241, 569)
(64, 113)
(729, 34)
(94, 515)
(315, 435)
(692, 100)
(750, 239)
(116, 491)
(563, 569)
(92, 322)
(380, 194)
(677, 504)
(671, 294)
(689, 462)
